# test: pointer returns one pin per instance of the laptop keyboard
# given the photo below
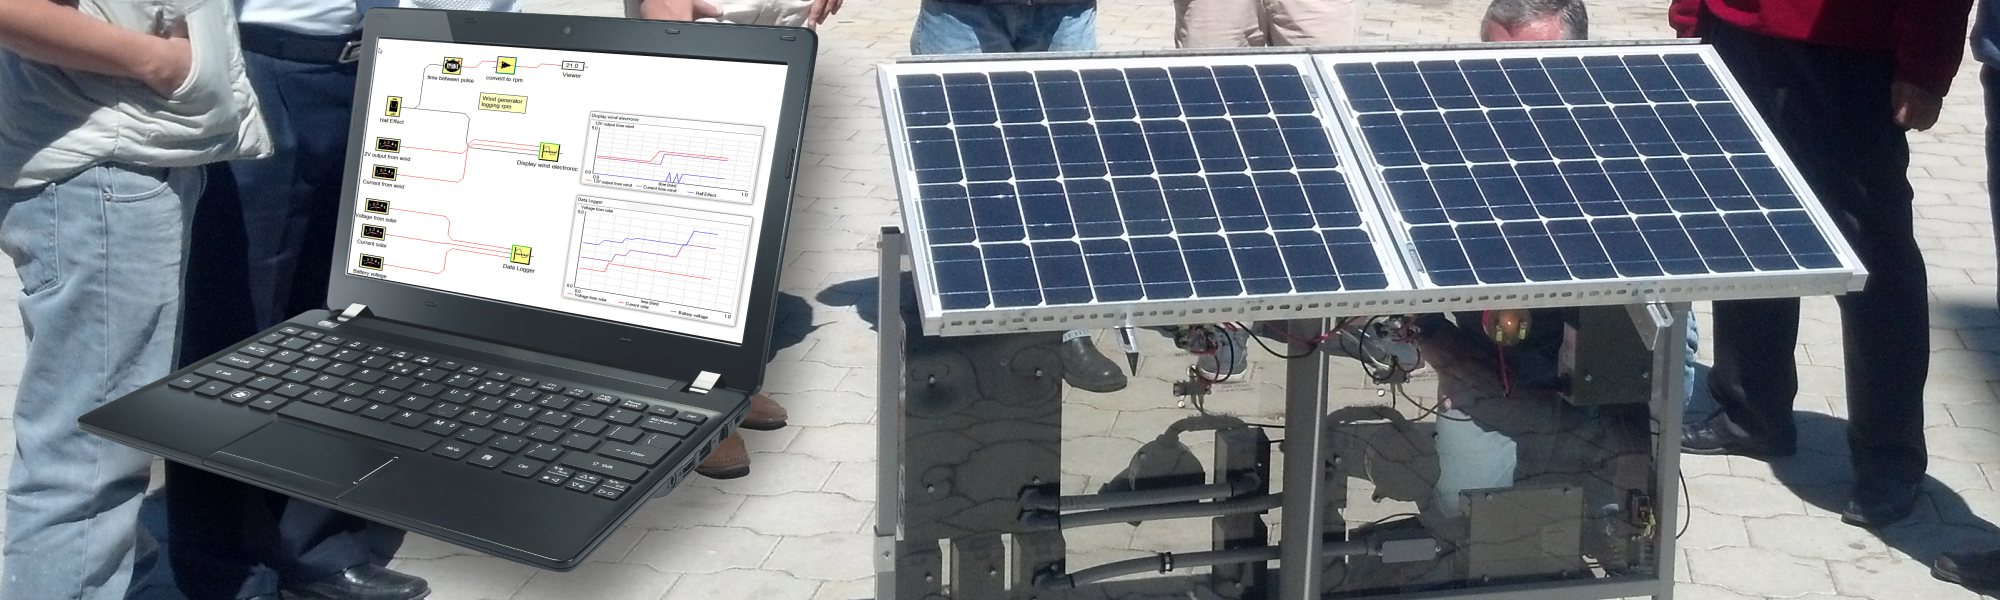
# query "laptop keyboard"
(487, 418)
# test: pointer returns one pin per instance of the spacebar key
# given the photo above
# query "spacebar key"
(360, 426)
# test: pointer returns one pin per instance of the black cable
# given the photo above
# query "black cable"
(1311, 347)
(1686, 507)
(1428, 411)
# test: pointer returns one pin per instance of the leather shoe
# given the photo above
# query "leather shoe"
(364, 582)
(730, 460)
(1086, 369)
(1880, 504)
(1718, 436)
(765, 414)
(1977, 571)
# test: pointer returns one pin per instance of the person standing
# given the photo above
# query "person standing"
(1255, 23)
(107, 111)
(1839, 82)
(989, 26)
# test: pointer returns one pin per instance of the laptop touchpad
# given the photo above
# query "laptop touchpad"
(299, 457)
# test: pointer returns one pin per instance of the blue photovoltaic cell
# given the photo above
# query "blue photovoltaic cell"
(1079, 186)
(1576, 168)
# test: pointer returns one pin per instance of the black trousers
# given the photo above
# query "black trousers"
(262, 252)
(1830, 109)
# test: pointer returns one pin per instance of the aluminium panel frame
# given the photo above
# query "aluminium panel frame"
(1851, 276)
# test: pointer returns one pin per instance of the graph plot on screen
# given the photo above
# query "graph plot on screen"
(698, 159)
(658, 259)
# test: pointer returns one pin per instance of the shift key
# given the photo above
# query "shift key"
(225, 373)
(605, 466)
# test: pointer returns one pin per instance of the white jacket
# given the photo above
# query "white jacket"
(55, 122)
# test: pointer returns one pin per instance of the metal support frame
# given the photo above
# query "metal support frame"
(913, 569)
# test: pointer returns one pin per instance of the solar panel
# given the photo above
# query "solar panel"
(1135, 190)
(1619, 164)
(1077, 183)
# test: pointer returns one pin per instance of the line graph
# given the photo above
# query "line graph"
(716, 161)
(675, 263)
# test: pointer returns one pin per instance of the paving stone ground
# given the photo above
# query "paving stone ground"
(798, 527)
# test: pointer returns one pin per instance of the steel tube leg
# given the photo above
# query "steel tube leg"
(889, 411)
(1669, 401)
(1300, 568)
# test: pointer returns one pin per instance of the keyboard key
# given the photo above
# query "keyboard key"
(225, 373)
(588, 409)
(430, 374)
(491, 387)
(415, 402)
(593, 480)
(643, 455)
(550, 387)
(187, 382)
(397, 381)
(604, 399)
(321, 349)
(508, 443)
(345, 422)
(664, 411)
(511, 425)
(604, 466)
(660, 440)
(551, 478)
(487, 460)
(579, 442)
(294, 343)
(576, 485)
(268, 403)
(666, 426)
(240, 361)
(544, 452)
(424, 360)
(273, 368)
(523, 468)
(616, 485)
(521, 411)
(212, 388)
(408, 418)
(378, 411)
(460, 380)
(623, 417)
(441, 427)
(555, 402)
(286, 356)
(453, 450)
(478, 418)
(349, 404)
(401, 355)
(335, 340)
(577, 393)
(489, 403)
(356, 345)
(554, 419)
(458, 396)
(368, 375)
(346, 356)
(632, 405)
(241, 395)
(401, 368)
(499, 375)
(290, 390)
(320, 397)
(545, 433)
(300, 375)
(327, 382)
(474, 435)
(521, 394)
(450, 365)
(341, 369)
(384, 395)
(265, 383)
(426, 389)
(311, 335)
(607, 493)
(525, 381)
(375, 362)
(355, 388)
(446, 410)
(258, 350)
(290, 330)
(589, 426)
(625, 434)
(272, 338)
(472, 370)
(695, 418)
(314, 363)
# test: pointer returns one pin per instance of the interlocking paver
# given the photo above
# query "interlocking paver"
(803, 513)
(1762, 571)
(839, 556)
(598, 580)
(703, 549)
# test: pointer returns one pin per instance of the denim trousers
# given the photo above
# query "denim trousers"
(100, 259)
(957, 28)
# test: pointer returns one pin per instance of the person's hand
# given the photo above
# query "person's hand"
(820, 10)
(1914, 107)
(173, 57)
(678, 10)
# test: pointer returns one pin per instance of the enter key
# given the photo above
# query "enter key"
(645, 455)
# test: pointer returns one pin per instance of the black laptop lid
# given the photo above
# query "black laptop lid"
(610, 190)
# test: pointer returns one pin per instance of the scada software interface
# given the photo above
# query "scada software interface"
(621, 187)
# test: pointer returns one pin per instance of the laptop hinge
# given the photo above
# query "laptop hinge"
(704, 382)
(353, 311)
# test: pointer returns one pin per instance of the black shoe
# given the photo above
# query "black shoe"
(271, 596)
(364, 582)
(1718, 436)
(1977, 571)
(1089, 370)
(1880, 504)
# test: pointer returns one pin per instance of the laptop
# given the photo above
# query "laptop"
(552, 288)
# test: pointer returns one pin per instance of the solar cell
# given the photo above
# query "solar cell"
(1607, 166)
(1089, 182)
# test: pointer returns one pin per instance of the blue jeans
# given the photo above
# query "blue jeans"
(100, 261)
(955, 28)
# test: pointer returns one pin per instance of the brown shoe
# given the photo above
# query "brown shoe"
(729, 461)
(764, 415)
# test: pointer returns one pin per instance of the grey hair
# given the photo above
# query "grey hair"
(1514, 13)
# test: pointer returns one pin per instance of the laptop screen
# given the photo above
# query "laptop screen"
(621, 187)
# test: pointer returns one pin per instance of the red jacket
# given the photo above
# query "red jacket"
(1927, 36)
